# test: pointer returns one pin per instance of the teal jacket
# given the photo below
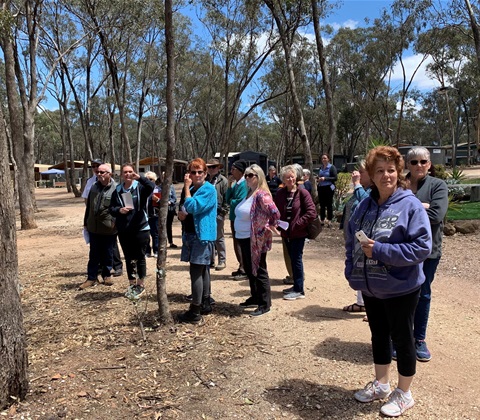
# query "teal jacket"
(203, 207)
(235, 193)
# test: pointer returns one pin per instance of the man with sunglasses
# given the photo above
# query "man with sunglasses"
(433, 193)
(117, 261)
(100, 225)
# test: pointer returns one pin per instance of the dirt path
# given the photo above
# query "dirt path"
(301, 361)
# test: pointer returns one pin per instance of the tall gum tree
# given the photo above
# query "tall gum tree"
(288, 18)
(13, 354)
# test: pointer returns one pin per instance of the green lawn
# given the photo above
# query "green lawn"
(464, 211)
(470, 181)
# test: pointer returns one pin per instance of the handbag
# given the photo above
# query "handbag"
(314, 228)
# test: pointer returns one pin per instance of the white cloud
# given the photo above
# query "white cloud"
(421, 80)
(349, 23)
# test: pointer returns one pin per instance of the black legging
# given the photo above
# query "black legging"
(325, 198)
(259, 284)
(134, 246)
(391, 320)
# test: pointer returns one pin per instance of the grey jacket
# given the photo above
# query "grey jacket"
(434, 191)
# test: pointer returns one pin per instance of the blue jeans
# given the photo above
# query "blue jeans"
(153, 223)
(101, 252)
(295, 251)
(423, 308)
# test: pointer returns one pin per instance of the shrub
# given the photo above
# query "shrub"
(342, 186)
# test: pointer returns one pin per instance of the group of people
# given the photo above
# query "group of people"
(392, 228)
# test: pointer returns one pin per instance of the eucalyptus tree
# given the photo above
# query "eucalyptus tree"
(237, 30)
(452, 67)
(119, 26)
(320, 9)
(65, 42)
(19, 41)
(288, 18)
(164, 312)
(402, 26)
(13, 348)
(362, 59)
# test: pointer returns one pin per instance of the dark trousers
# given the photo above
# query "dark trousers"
(259, 284)
(423, 308)
(117, 261)
(101, 253)
(200, 282)
(170, 216)
(153, 223)
(325, 198)
(391, 320)
(295, 251)
(237, 248)
(134, 246)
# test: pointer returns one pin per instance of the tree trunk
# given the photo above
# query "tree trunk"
(22, 150)
(327, 86)
(13, 354)
(293, 90)
(165, 317)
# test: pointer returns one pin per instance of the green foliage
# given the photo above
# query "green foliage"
(342, 186)
(464, 211)
(440, 171)
(456, 176)
(375, 142)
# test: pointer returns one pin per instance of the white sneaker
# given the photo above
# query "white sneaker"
(397, 404)
(372, 392)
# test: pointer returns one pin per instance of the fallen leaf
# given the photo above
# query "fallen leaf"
(56, 377)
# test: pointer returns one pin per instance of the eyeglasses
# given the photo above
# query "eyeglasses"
(250, 175)
(196, 172)
(415, 162)
(103, 172)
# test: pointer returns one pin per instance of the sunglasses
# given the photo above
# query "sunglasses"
(212, 166)
(103, 172)
(196, 172)
(250, 175)
(415, 162)
(95, 166)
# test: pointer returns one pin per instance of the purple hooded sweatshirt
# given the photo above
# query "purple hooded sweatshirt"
(403, 240)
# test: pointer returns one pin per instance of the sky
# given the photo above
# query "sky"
(353, 13)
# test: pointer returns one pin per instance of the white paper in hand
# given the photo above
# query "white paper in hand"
(282, 225)
(127, 200)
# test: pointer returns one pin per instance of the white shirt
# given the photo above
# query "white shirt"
(89, 185)
(243, 222)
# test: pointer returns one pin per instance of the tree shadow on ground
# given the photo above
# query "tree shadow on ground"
(70, 274)
(309, 400)
(97, 296)
(354, 352)
(316, 313)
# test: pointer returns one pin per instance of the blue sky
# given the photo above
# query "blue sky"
(352, 13)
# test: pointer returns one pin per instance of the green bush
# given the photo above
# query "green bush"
(342, 186)
(440, 171)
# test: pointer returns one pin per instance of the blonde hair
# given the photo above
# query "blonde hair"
(152, 176)
(262, 180)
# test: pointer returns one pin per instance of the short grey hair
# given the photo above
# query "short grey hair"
(288, 169)
(418, 151)
(107, 167)
(299, 170)
(306, 172)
